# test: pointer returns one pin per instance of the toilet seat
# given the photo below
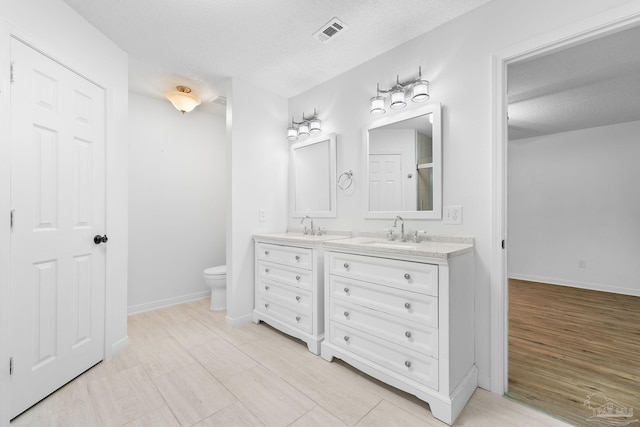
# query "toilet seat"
(216, 271)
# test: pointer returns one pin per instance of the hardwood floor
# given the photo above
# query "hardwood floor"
(185, 367)
(566, 344)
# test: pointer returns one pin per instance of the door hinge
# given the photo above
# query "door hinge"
(12, 71)
(12, 218)
(11, 365)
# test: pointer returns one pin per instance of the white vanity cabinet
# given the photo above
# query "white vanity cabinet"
(289, 285)
(405, 319)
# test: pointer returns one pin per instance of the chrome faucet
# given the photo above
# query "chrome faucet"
(312, 231)
(395, 224)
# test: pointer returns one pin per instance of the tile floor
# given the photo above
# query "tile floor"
(185, 367)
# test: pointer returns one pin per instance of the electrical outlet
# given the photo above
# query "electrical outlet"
(452, 215)
(262, 214)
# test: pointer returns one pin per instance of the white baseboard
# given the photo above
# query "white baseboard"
(118, 346)
(573, 284)
(153, 305)
(239, 321)
(484, 381)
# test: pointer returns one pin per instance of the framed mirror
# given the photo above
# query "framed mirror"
(314, 177)
(404, 165)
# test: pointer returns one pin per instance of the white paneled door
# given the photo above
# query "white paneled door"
(385, 182)
(58, 205)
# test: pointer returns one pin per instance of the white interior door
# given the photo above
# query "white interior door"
(58, 199)
(385, 182)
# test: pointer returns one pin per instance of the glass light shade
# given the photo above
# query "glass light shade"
(183, 100)
(377, 105)
(314, 126)
(397, 99)
(420, 91)
(292, 134)
(303, 129)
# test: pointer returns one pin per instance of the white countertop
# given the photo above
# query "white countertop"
(436, 247)
(301, 238)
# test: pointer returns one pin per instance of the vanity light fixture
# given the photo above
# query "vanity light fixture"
(182, 99)
(308, 125)
(418, 87)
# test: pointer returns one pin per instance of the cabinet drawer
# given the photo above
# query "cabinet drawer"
(288, 255)
(412, 276)
(399, 331)
(290, 275)
(417, 308)
(403, 361)
(284, 313)
(297, 299)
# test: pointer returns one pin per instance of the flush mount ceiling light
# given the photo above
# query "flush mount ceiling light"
(182, 99)
(308, 125)
(418, 87)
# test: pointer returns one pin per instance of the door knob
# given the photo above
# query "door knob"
(97, 239)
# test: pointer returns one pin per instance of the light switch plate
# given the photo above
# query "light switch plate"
(262, 214)
(453, 215)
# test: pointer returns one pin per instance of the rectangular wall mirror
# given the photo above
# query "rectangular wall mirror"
(314, 177)
(404, 165)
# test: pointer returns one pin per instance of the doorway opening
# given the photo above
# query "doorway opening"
(573, 119)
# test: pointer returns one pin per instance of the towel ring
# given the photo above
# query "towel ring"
(345, 183)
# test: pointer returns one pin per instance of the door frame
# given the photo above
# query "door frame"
(109, 71)
(614, 20)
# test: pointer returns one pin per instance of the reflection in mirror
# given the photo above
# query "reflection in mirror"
(314, 175)
(404, 165)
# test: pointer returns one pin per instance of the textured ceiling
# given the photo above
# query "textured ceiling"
(201, 43)
(593, 84)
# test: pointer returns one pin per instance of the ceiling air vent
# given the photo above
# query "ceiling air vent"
(330, 30)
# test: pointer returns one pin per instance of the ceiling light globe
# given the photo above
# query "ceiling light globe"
(314, 126)
(303, 129)
(183, 100)
(420, 91)
(292, 134)
(377, 105)
(397, 99)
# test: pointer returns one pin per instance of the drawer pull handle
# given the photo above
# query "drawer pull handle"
(297, 318)
(407, 276)
(266, 253)
(346, 290)
(346, 314)
(297, 297)
(298, 278)
(346, 338)
(266, 306)
(266, 287)
(407, 334)
(407, 364)
(346, 265)
(266, 270)
(407, 305)
(297, 257)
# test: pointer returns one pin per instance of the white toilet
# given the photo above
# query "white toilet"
(216, 279)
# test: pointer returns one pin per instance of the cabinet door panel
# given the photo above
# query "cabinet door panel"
(417, 308)
(284, 313)
(398, 359)
(399, 331)
(297, 299)
(288, 255)
(411, 276)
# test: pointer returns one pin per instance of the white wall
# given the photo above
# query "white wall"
(177, 190)
(456, 58)
(52, 27)
(257, 155)
(572, 197)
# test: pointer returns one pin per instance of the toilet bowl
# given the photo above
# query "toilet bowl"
(216, 279)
